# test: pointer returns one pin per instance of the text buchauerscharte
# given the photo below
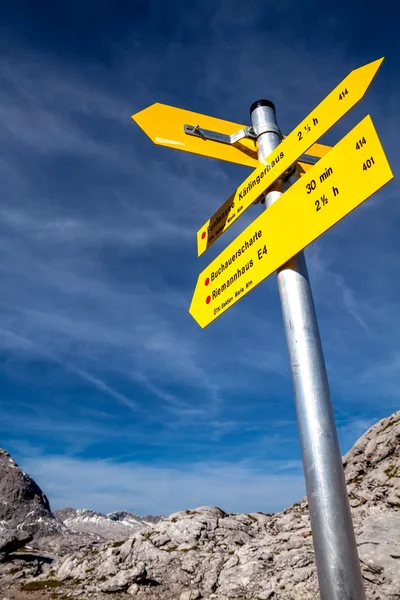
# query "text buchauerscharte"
(240, 271)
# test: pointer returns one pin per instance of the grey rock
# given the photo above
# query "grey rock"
(122, 580)
(23, 505)
(10, 541)
(133, 589)
(208, 553)
(190, 595)
(266, 594)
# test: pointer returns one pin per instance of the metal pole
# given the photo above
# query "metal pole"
(336, 557)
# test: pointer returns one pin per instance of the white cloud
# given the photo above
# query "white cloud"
(97, 238)
(107, 486)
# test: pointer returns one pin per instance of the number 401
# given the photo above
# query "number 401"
(368, 163)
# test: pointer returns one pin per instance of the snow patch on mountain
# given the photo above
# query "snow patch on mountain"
(112, 526)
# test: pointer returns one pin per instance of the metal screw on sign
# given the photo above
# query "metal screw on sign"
(336, 557)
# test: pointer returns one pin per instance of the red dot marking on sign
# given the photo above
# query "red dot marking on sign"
(203, 235)
(208, 299)
(207, 281)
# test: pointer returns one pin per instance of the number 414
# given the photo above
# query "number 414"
(361, 143)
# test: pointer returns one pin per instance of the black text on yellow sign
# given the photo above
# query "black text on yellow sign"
(319, 121)
(349, 174)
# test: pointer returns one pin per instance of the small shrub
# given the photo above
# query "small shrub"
(117, 544)
(172, 548)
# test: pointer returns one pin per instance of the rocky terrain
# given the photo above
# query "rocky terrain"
(23, 505)
(114, 526)
(207, 553)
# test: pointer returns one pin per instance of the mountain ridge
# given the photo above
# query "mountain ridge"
(111, 526)
(207, 553)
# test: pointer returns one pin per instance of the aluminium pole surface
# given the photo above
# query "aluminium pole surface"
(336, 556)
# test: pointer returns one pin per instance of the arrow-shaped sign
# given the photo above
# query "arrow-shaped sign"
(165, 124)
(349, 174)
(319, 121)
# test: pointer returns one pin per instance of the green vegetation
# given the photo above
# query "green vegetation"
(392, 471)
(172, 548)
(117, 544)
(33, 586)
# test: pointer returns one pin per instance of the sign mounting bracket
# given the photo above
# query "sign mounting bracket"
(247, 132)
(215, 136)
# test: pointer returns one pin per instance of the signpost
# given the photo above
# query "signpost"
(305, 211)
(345, 177)
(167, 126)
(319, 121)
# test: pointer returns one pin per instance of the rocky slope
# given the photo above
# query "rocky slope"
(207, 553)
(23, 505)
(114, 526)
(123, 516)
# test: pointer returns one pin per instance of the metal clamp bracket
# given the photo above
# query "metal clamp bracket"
(223, 138)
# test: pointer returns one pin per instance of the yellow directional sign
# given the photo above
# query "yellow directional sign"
(322, 118)
(165, 126)
(349, 174)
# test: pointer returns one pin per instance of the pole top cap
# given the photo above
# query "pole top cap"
(262, 102)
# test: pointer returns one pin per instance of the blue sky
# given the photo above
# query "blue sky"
(111, 396)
